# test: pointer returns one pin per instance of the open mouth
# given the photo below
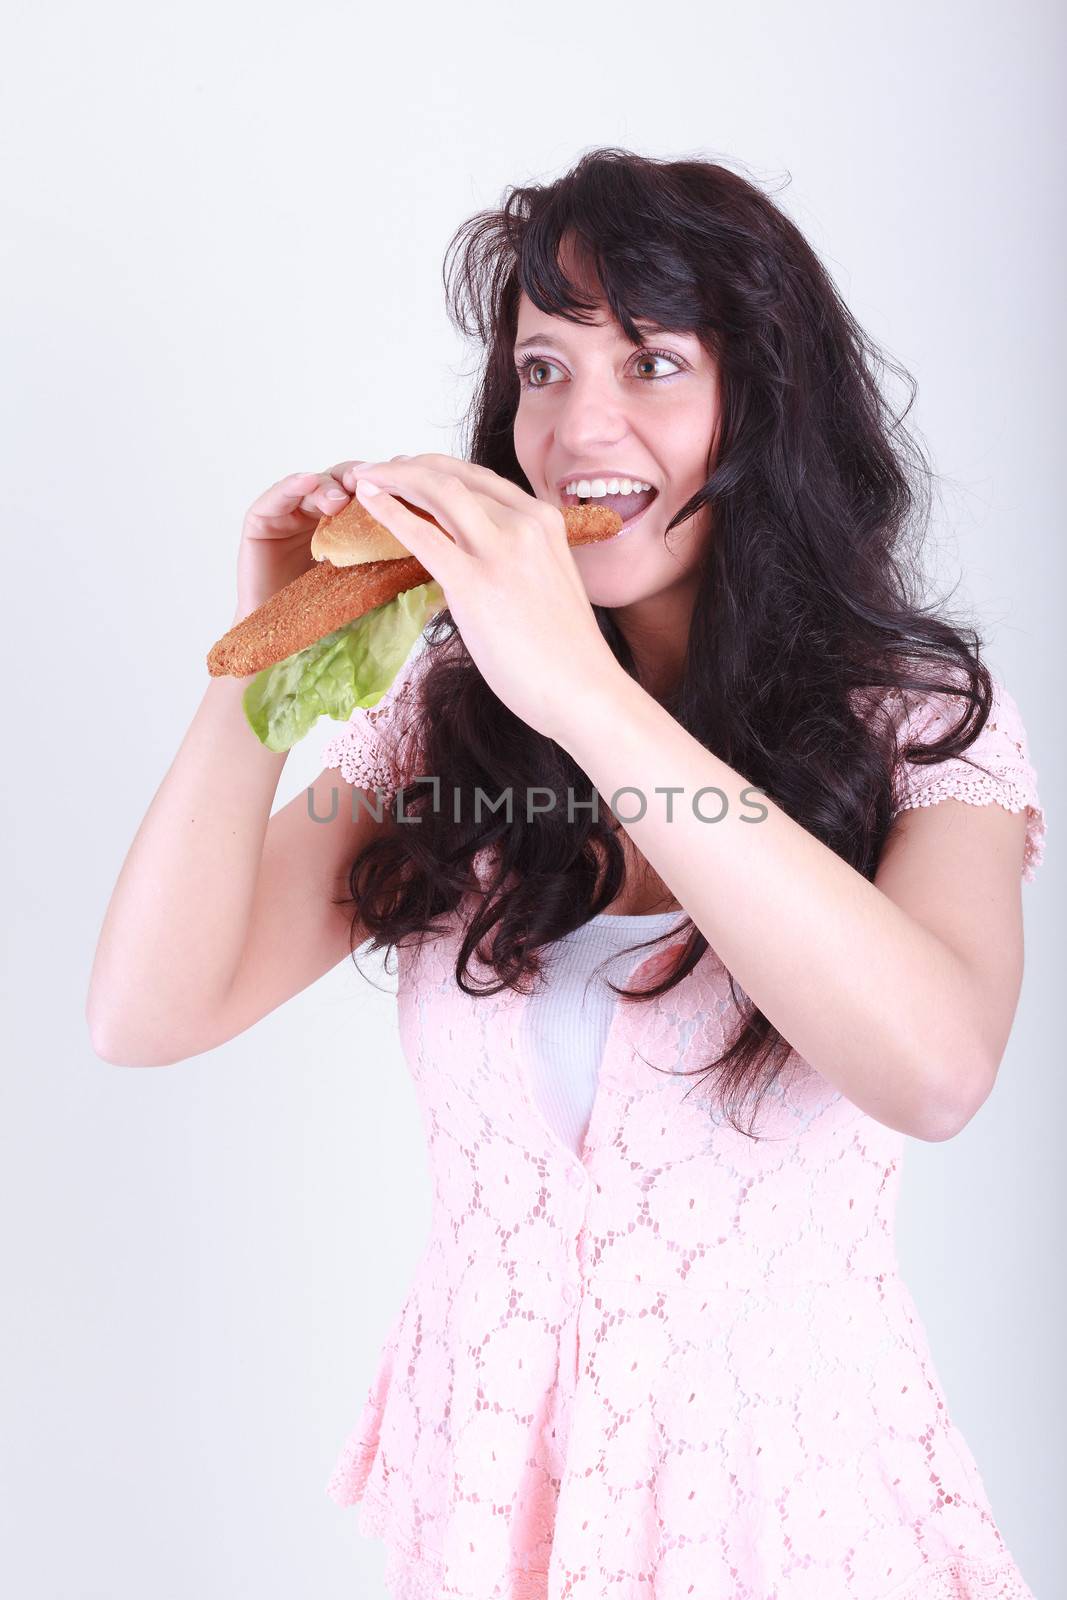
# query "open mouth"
(628, 506)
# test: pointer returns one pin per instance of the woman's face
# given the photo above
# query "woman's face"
(594, 406)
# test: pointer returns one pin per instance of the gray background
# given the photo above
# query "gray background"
(222, 252)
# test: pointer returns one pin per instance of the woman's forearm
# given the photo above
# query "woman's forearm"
(179, 915)
(818, 948)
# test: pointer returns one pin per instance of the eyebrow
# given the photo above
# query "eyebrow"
(549, 338)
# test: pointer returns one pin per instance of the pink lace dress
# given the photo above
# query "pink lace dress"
(681, 1363)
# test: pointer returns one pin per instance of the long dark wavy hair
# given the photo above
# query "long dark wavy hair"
(810, 589)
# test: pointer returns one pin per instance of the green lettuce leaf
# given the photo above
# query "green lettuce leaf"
(353, 666)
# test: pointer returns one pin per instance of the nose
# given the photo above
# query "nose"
(592, 417)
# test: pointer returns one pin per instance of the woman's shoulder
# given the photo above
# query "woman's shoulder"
(995, 768)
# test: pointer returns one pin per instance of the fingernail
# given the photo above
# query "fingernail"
(336, 494)
(364, 486)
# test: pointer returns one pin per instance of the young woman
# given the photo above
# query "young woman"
(712, 897)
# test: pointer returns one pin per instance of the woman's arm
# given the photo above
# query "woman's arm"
(901, 992)
(221, 911)
(178, 916)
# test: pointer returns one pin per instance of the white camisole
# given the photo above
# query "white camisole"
(566, 1020)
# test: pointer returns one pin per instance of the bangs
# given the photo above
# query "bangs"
(644, 280)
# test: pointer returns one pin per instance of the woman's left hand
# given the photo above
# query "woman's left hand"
(508, 576)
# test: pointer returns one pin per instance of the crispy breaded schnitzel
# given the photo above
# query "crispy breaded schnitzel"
(313, 605)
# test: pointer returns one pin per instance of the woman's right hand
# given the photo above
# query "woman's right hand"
(276, 536)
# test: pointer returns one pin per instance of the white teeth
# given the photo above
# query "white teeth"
(596, 488)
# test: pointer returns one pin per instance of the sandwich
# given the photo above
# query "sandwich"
(336, 637)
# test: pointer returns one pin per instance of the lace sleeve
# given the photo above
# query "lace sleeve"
(996, 768)
(370, 749)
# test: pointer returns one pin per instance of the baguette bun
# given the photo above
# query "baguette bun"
(352, 537)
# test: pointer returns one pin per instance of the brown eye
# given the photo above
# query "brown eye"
(526, 368)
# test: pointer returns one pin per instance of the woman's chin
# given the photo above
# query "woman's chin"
(614, 590)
